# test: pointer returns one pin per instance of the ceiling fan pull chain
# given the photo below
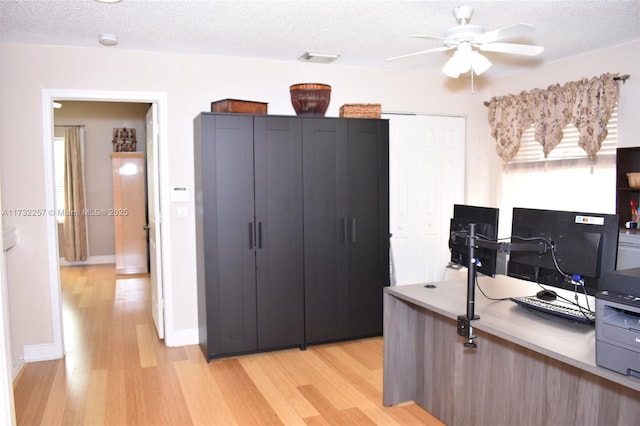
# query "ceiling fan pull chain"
(472, 90)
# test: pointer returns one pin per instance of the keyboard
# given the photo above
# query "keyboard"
(564, 311)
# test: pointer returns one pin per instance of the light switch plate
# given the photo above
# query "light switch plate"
(182, 212)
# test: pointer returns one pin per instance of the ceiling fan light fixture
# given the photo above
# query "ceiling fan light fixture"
(451, 68)
(465, 59)
(459, 63)
(479, 63)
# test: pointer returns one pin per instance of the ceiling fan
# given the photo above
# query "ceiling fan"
(468, 39)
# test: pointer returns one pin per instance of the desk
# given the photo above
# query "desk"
(529, 368)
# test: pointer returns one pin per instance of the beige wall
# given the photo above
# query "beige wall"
(99, 119)
(191, 82)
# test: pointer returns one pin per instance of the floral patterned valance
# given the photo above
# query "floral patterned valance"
(587, 103)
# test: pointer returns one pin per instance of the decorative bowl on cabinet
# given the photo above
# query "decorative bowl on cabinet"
(310, 99)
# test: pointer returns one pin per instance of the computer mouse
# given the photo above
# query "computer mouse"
(546, 295)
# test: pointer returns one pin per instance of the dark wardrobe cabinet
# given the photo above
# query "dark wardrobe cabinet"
(292, 230)
(346, 227)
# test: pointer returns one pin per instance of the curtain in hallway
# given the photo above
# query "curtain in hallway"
(75, 225)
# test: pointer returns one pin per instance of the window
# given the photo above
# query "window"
(566, 180)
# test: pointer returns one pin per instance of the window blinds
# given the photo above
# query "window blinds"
(531, 151)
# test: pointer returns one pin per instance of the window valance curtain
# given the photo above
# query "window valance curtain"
(587, 103)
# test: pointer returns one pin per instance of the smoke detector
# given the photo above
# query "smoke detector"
(107, 39)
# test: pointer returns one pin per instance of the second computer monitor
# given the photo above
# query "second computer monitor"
(486, 221)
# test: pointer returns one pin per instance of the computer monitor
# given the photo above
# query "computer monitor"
(577, 243)
(486, 221)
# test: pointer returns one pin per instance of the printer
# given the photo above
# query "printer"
(618, 322)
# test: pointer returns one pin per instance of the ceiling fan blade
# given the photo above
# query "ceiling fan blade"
(512, 48)
(422, 52)
(504, 32)
(433, 37)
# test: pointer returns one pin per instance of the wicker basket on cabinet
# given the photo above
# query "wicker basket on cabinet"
(361, 110)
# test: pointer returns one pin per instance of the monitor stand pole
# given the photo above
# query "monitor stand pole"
(465, 329)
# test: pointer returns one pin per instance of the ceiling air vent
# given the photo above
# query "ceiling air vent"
(320, 58)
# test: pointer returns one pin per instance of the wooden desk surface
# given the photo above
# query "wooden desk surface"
(566, 341)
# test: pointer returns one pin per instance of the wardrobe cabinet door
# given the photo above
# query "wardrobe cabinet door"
(225, 162)
(325, 229)
(278, 196)
(346, 227)
(368, 258)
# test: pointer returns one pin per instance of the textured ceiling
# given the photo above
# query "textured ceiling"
(364, 32)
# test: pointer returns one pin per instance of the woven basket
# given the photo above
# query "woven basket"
(361, 110)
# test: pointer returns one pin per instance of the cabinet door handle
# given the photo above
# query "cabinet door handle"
(344, 230)
(251, 238)
(259, 235)
(353, 229)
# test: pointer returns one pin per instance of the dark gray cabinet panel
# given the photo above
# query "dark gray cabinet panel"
(278, 194)
(249, 232)
(326, 229)
(226, 261)
(368, 213)
(346, 227)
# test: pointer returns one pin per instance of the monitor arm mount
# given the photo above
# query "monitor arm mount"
(465, 329)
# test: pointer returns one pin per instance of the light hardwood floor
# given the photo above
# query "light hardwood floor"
(117, 372)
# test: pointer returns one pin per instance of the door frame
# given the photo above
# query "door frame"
(56, 349)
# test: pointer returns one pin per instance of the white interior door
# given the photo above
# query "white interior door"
(153, 197)
(426, 177)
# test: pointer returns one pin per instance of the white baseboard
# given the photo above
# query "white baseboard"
(91, 260)
(17, 367)
(41, 352)
(183, 338)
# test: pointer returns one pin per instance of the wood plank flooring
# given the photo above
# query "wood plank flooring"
(117, 372)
